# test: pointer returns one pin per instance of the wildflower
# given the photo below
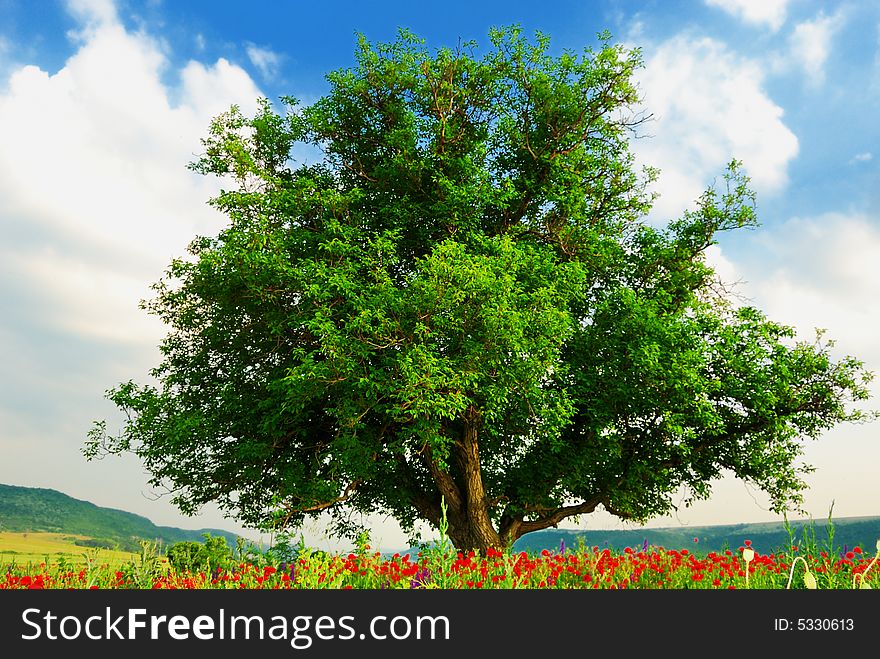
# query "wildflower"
(420, 579)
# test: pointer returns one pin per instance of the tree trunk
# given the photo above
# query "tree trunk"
(470, 527)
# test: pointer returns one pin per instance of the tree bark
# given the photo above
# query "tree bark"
(470, 526)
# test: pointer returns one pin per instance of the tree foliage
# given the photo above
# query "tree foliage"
(460, 303)
(192, 556)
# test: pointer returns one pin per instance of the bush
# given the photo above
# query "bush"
(192, 556)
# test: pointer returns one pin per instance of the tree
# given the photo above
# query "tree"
(192, 556)
(460, 306)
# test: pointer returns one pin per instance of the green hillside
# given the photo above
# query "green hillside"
(765, 538)
(27, 509)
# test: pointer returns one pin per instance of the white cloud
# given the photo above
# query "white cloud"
(816, 273)
(93, 12)
(810, 45)
(709, 106)
(760, 12)
(95, 200)
(10, 54)
(811, 273)
(867, 156)
(265, 60)
(111, 312)
(723, 266)
(821, 272)
(93, 169)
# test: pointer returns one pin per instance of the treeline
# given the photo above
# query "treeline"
(766, 538)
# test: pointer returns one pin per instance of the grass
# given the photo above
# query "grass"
(35, 548)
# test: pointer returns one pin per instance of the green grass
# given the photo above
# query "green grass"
(54, 548)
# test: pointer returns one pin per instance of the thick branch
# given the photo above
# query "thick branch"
(445, 483)
(347, 493)
(514, 528)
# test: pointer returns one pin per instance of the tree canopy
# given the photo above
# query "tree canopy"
(457, 308)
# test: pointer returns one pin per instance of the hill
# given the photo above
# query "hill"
(766, 537)
(27, 509)
(24, 509)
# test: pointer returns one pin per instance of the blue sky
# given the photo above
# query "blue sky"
(102, 105)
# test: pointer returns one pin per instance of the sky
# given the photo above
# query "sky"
(103, 104)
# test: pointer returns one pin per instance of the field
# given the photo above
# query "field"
(441, 567)
(55, 548)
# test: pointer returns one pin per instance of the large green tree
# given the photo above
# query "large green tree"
(458, 308)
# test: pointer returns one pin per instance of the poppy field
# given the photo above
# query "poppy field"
(444, 568)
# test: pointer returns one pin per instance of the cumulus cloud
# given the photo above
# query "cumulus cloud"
(708, 105)
(93, 12)
(812, 273)
(821, 272)
(95, 201)
(759, 12)
(264, 59)
(810, 45)
(93, 172)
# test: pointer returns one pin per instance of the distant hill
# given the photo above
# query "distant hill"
(25, 509)
(765, 537)
(28, 509)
